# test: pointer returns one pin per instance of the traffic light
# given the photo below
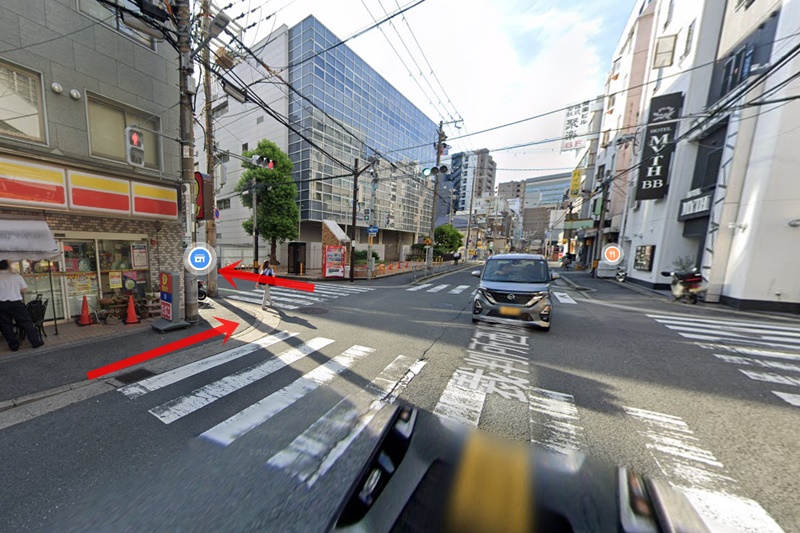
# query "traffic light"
(434, 170)
(262, 162)
(134, 146)
(366, 214)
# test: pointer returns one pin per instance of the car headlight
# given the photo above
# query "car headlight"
(536, 297)
(486, 295)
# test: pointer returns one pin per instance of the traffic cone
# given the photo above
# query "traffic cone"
(131, 313)
(86, 318)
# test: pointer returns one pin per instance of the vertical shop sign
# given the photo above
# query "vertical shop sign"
(659, 146)
(165, 280)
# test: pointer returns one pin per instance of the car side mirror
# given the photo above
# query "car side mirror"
(476, 273)
(555, 275)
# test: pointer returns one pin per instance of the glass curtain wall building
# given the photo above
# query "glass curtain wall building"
(377, 118)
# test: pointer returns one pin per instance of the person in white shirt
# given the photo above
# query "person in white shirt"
(12, 286)
(265, 270)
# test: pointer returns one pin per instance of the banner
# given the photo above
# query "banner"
(658, 146)
(575, 184)
(576, 126)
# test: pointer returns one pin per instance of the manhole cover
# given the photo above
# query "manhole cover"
(136, 375)
(441, 305)
(313, 310)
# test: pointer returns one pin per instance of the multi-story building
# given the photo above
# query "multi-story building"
(511, 189)
(73, 76)
(541, 196)
(347, 111)
(473, 176)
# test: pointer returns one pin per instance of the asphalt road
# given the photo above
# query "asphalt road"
(621, 375)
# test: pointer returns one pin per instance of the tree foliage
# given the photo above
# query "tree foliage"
(276, 193)
(447, 238)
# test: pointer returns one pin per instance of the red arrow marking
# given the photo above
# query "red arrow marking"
(226, 328)
(229, 272)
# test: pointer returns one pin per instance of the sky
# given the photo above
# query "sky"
(493, 62)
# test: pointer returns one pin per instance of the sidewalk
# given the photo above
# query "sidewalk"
(583, 281)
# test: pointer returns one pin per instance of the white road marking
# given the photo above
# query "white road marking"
(438, 288)
(317, 449)
(777, 365)
(748, 336)
(134, 390)
(715, 338)
(419, 287)
(793, 399)
(747, 330)
(747, 350)
(257, 301)
(459, 289)
(179, 407)
(699, 475)
(250, 418)
(564, 298)
(561, 428)
(460, 404)
(771, 378)
(725, 322)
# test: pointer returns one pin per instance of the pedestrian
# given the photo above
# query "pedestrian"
(12, 287)
(265, 270)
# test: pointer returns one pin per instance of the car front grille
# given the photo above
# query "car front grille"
(520, 298)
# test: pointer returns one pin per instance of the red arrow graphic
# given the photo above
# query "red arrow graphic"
(227, 327)
(229, 272)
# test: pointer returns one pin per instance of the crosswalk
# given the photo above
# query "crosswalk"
(495, 368)
(289, 299)
(769, 353)
(430, 287)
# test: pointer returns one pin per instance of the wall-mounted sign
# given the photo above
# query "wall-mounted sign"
(643, 260)
(575, 184)
(659, 146)
(576, 125)
(696, 207)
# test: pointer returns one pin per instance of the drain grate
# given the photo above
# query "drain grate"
(136, 375)
(313, 310)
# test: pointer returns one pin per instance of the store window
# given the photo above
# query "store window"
(113, 18)
(43, 277)
(107, 123)
(123, 267)
(21, 113)
(80, 274)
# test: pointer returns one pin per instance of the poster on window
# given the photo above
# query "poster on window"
(115, 280)
(333, 261)
(139, 255)
(82, 283)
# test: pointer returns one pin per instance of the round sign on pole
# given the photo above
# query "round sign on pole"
(612, 254)
(216, 213)
(427, 242)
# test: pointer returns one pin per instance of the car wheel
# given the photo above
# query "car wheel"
(545, 330)
(474, 320)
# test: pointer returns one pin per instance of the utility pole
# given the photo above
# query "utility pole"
(255, 225)
(211, 223)
(469, 219)
(187, 153)
(356, 172)
(439, 142)
(370, 263)
(598, 246)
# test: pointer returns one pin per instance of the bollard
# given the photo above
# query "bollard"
(301, 268)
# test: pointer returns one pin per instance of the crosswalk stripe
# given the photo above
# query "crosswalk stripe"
(740, 340)
(793, 399)
(559, 423)
(258, 301)
(245, 421)
(691, 325)
(771, 377)
(564, 298)
(419, 287)
(737, 360)
(134, 390)
(275, 293)
(748, 350)
(755, 325)
(346, 288)
(438, 288)
(309, 456)
(459, 289)
(179, 407)
(335, 293)
(460, 404)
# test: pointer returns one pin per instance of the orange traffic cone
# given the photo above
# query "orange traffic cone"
(86, 318)
(130, 316)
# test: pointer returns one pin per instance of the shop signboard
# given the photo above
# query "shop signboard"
(333, 261)
(696, 206)
(659, 146)
(84, 283)
(166, 287)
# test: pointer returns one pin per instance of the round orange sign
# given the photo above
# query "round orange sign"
(612, 254)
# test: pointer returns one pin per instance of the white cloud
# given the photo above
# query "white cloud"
(499, 63)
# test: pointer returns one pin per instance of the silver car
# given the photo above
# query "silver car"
(514, 289)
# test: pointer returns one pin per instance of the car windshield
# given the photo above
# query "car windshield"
(516, 271)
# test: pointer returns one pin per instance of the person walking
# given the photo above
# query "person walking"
(12, 287)
(265, 270)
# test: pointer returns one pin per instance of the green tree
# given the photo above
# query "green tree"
(278, 214)
(447, 238)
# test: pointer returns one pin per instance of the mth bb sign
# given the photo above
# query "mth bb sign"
(659, 145)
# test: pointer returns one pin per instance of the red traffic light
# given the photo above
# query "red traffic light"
(135, 137)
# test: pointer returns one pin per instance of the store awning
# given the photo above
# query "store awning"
(26, 239)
